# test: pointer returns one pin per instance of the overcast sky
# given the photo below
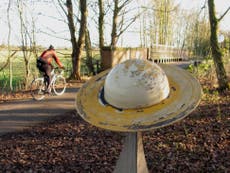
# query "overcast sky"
(59, 29)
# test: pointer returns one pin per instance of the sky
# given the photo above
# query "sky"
(59, 31)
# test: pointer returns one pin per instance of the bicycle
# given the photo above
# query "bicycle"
(57, 85)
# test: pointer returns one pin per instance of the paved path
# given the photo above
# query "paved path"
(21, 114)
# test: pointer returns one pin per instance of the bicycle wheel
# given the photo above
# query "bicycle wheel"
(37, 89)
(59, 85)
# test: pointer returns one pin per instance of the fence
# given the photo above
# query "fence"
(158, 54)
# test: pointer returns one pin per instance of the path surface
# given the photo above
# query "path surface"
(21, 114)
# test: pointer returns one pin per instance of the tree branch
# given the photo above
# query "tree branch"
(8, 60)
(221, 17)
(128, 25)
(55, 18)
(63, 9)
(124, 4)
(154, 9)
(54, 36)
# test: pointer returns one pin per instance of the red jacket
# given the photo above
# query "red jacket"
(49, 55)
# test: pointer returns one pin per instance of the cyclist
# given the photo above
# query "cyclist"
(44, 64)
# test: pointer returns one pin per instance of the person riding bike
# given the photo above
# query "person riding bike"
(44, 64)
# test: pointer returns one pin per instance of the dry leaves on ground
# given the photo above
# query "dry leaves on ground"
(199, 143)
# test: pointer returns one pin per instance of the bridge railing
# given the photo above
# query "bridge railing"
(158, 54)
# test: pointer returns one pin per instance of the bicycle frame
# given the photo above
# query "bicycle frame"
(53, 76)
(38, 85)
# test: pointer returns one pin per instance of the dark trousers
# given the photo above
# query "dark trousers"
(46, 69)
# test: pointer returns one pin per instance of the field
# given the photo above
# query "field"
(18, 68)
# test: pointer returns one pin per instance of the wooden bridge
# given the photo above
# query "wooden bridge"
(157, 53)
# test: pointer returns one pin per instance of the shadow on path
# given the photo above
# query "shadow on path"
(21, 114)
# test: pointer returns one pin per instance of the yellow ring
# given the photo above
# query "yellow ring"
(185, 94)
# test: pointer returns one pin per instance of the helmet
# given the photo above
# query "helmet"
(51, 47)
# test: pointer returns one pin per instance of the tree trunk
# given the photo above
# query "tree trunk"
(89, 54)
(24, 40)
(114, 25)
(101, 23)
(101, 27)
(216, 53)
(75, 62)
(8, 46)
(83, 8)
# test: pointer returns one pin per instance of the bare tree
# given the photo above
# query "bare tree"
(27, 36)
(33, 45)
(114, 35)
(162, 17)
(216, 52)
(101, 24)
(76, 70)
(24, 40)
(8, 45)
(119, 24)
(77, 45)
(71, 25)
(89, 54)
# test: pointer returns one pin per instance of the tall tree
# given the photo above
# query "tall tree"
(77, 45)
(26, 39)
(216, 52)
(89, 53)
(163, 12)
(158, 22)
(120, 21)
(8, 45)
(114, 36)
(81, 38)
(101, 25)
(71, 25)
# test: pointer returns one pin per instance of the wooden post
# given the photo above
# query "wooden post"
(132, 157)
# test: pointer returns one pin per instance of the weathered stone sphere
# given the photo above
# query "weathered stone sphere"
(136, 83)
